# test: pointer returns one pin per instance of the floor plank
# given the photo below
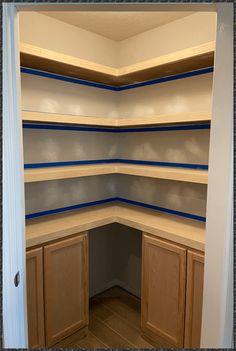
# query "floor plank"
(90, 342)
(114, 322)
(129, 332)
(122, 309)
(107, 335)
(99, 310)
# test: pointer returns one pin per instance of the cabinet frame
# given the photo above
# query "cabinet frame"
(192, 258)
(152, 331)
(57, 245)
(37, 255)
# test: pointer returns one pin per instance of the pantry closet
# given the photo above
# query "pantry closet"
(116, 131)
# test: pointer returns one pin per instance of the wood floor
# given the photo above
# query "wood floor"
(114, 322)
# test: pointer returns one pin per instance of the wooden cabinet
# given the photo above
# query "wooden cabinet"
(172, 293)
(194, 295)
(163, 291)
(66, 295)
(35, 304)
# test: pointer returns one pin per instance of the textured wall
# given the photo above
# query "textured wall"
(43, 196)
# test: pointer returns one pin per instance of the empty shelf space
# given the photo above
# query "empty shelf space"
(171, 173)
(44, 117)
(181, 230)
(197, 57)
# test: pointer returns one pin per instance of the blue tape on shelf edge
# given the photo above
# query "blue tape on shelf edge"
(116, 88)
(201, 126)
(113, 199)
(114, 160)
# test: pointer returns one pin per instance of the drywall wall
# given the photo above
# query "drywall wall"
(51, 34)
(183, 33)
(102, 258)
(42, 196)
(193, 94)
(181, 146)
(42, 145)
(54, 96)
(179, 196)
(115, 259)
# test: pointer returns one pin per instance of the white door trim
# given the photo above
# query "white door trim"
(14, 298)
(217, 322)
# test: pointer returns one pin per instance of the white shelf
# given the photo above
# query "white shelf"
(171, 173)
(44, 117)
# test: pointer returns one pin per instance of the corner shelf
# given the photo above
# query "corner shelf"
(170, 173)
(178, 229)
(45, 117)
(197, 57)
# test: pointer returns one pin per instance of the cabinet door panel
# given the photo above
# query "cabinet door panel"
(163, 290)
(35, 303)
(194, 296)
(66, 295)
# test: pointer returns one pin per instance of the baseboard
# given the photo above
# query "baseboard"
(111, 284)
(103, 288)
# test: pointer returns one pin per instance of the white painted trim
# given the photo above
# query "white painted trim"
(217, 322)
(14, 298)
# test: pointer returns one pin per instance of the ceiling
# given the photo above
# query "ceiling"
(117, 25)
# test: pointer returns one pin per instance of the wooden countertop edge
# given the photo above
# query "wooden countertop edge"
(194, 240)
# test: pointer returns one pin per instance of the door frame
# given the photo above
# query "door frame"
(218, 277)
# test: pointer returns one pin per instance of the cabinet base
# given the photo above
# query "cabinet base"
(80, 334)
(156, 341)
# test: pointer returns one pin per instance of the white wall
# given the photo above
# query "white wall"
(115, 258)
(179, 196)
(183, 33)
(51, 34)
(41, 196)
(42, 145)
(193, 94)
(54, 96)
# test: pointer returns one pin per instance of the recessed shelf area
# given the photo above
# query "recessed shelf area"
(197, 57)
(178, 229)
(45, 117)
(171, 173)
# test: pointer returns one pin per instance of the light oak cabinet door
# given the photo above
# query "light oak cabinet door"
(35, 303)
(66, 295)
(194, 297)
(163, 291)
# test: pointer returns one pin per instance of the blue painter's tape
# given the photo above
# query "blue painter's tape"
(112, 199)
(67, 127)
(114, 160)
(163, 209)
(165, 128)
(67, 163)
(68, 208)
(163, 164)
(116, 88)
(117, 130)
(67, 79)
(167, 78)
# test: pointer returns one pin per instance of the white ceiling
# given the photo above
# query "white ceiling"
(117, 25)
